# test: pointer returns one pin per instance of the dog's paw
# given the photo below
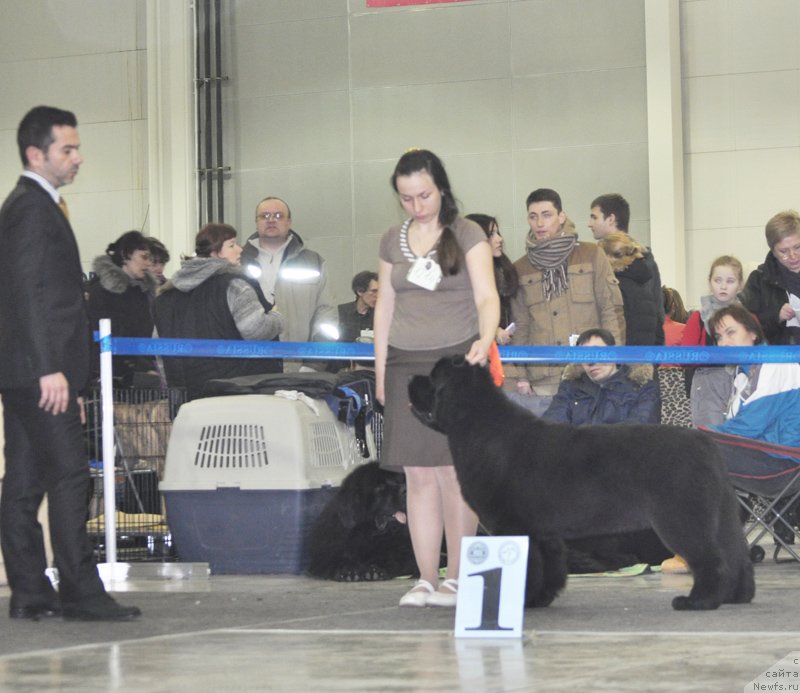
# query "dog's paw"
(689, 604)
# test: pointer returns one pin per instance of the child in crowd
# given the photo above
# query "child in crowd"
(675, 316)
(710, 386)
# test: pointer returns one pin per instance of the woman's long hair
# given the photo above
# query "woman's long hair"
(448, 252)
(505, 276)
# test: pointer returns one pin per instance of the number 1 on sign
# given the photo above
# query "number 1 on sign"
(491, 599)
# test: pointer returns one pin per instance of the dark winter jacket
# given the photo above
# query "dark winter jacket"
(199, 302)
(763, 295)
(654, 286)
(127, 302)
(642, 322)
(629, 396)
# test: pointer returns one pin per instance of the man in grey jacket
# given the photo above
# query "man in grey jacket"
(293, 277)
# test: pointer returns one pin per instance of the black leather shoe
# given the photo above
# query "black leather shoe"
(99, 608)
(34, 613)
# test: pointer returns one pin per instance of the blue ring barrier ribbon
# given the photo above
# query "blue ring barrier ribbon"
(221, 348)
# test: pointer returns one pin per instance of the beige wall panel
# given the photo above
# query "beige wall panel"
(761, 118)
(95, 87)
(708, 113)
(107, 154)
(730, 36)
(564, 35)
(763, 35)
(705, 37)
(292, 130)
(448, 117)
(244, 12)
(289, 57)
(710, 184)
(760, 193)
(577, 108)
(433, 45)
(59, 28)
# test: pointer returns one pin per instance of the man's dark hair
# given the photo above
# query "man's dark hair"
(544, 195)
(36, 128)
(614, 203)
(361, 281)
(605, 335)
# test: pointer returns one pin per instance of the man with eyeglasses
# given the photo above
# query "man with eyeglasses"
(293, 277)
(565, 287)
(610, 213)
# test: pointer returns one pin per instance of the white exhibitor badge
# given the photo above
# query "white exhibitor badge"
(491, 587)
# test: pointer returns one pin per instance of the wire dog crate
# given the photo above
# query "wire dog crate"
(142, 425)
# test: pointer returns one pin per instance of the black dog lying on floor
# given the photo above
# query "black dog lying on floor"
(524, 476)
(362, 535)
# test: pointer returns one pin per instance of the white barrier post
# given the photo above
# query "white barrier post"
(107, 400)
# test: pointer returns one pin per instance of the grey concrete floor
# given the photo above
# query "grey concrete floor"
(291, 633)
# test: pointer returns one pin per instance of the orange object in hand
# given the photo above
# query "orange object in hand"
(495, 365)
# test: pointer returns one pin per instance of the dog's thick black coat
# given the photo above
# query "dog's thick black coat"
(525, 476)
(357, 536)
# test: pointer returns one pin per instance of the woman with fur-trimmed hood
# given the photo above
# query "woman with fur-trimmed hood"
(605, 393)
(642, 316)
(123, 290)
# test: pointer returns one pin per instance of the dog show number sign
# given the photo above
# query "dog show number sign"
(491, 587)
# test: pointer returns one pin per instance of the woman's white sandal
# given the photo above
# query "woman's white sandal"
(418, 595)
(446, 595)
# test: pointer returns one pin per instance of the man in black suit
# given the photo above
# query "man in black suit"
(45, 363)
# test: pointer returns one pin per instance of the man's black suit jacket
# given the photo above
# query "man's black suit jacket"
(43, 324)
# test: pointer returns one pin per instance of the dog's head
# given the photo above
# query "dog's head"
(370, 495)
(450, 393)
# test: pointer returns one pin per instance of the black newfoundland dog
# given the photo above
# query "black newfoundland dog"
(362, 533)
(524, 476)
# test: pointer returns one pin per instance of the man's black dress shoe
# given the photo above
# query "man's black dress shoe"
(34, 613)
(99, 608)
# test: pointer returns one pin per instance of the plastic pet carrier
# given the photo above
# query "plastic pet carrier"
(246, 475)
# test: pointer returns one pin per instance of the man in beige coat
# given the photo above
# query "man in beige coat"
(565, 287)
